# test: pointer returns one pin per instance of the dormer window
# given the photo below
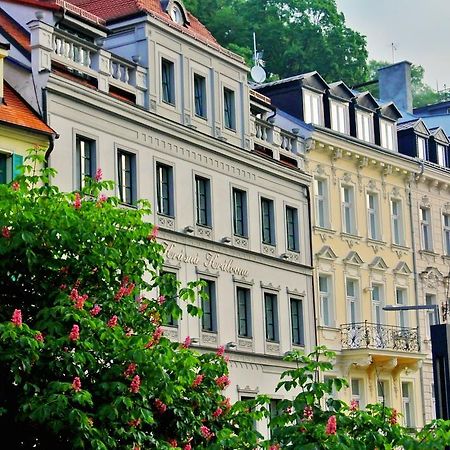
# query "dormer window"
(312, 108)
(364, 126)
(421, 148)
(387, 134)
(176, 15)
(442, 155)
(339, 117)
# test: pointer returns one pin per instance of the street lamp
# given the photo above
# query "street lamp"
(435, 308)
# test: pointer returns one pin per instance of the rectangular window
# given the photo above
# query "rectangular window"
(421, 148)
(364, 126)
(357, 391)
(85, 163)
(441, 151)
(170, 320)
(3, 168)
(325, 299)
(339, 115)
(430, 300)
(425, 226)
(352, 301)
(348, 209)
(267, 221)
(407, 402)
(271, 316)
(292, 229)
(229, 109)
(298, 335)
(203, 201)
(446, 229)
(373, 212)
(126, 163)
(244, 312)
(397, 222)
(164, 189)
(168, 81)
(383, 392)
(401, 299)
(240, 212)
(321, 192)
(312, 111)
(387, 135)
(209, 322)
(377, 303)
(200, 95)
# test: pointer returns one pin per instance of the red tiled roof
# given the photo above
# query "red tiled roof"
(14, 30)
(14, 110)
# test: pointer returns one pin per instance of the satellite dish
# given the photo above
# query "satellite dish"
(258, 74)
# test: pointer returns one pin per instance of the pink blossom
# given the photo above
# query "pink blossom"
(155, 338)
(77, 201)
(76, 384)
(275, 447)
(17, 318)
(331, 425)
(394, 417)
(187, 342)
(161, 299)
(220, 351)
(120, 293)
(98, 175)
(95, 310)
(63, 287)
(226, 403)
(39, 336)
(197, 381)
(130, 370)
(142, 307)
(135, 384)
(129, 331)
(137, 447)
(223, 381)
(160, 406)
(154, 234)
(187, 447)
(113, 321)
(101, 199)
(173, 443)
(6, 233)
(74, 333)
(308, 412)
(354, 405)
(15, 185)
(206, 432)
(134, 422)
(217, 413)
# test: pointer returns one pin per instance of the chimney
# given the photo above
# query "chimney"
(394, 83)
(4, 51)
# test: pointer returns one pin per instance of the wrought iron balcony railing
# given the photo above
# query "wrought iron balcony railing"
(376, 336)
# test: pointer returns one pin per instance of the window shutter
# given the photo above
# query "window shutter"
(17, 161)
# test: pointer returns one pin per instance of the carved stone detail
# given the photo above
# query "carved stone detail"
(208, 338)
(241, 242)
(273, 347)
(246, 344)
(203, 232)
(166, 222)
(268, 249)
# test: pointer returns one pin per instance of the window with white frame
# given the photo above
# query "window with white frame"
(441, 151)
(203, 201)
(200, 96)
(421, 148)
(164, 189)
(407, 403)
(321, 202)
(240, 227)
(446, 231)
(357, 391)
(267, 221)
(377, 303)
(348, 209)
(430, 300)
(352, 296)
(244, 312)
(85, 159)
(126, 165)
(383, 392)
(401, 300)
(325, 300)
(312, 107)
(339, 116)
(292, 237)
(425, 228)
(229, 109)
(364, 126)
(373, 215)
(298, 332)
(168, 81)
(271, 316)
(387, 134)
(209, 319)
(398, 236)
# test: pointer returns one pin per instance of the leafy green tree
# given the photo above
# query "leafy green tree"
(296, 36)
(83, 359)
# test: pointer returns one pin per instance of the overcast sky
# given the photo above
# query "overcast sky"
(419, 29)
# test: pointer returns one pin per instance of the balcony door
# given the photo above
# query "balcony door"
(352, 301)
(377, 314)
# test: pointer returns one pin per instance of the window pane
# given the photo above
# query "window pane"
(243, 298)
(203, 201)
(167, 81)
(271, 317)
(239, 212)
(292, 228)
(200, 95)
(229, 109)
(209, 307)
(297, 322)
(85, 164)
(164, 186)
(267, 221)
(126, 177)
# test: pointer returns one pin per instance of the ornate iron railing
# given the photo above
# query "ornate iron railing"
(373, 335)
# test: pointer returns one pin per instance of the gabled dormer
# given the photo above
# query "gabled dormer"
(438, 146)
(337, 107)
(413, 137)
(363, 111)
(386, 126)
(301, 96)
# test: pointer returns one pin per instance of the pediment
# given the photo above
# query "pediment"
(402, 269)
(367, 100)
(340, 90)
(439, 135)
(378, 263)
(353, 258)
(421, 128)
(431, 274)
(390, 111)
(326, 252)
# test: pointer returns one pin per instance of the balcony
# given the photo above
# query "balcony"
(365, 335)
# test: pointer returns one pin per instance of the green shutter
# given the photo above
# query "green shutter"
(2, 168)
(17, 161)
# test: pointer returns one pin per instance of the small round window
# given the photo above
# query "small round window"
(176, 15)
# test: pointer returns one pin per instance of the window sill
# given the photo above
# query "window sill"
(401, 247)
(165, 102)
(232, 130)
(324, 230)
(350, 236)
(197, 116)
(209, 227)
(167, 216)
(428, 253)
(128, 205)
(375, 241)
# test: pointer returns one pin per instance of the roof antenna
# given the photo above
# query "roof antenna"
(257, 73)
(394, 49)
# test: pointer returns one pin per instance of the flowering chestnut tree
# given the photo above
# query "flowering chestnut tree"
(83, 358)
